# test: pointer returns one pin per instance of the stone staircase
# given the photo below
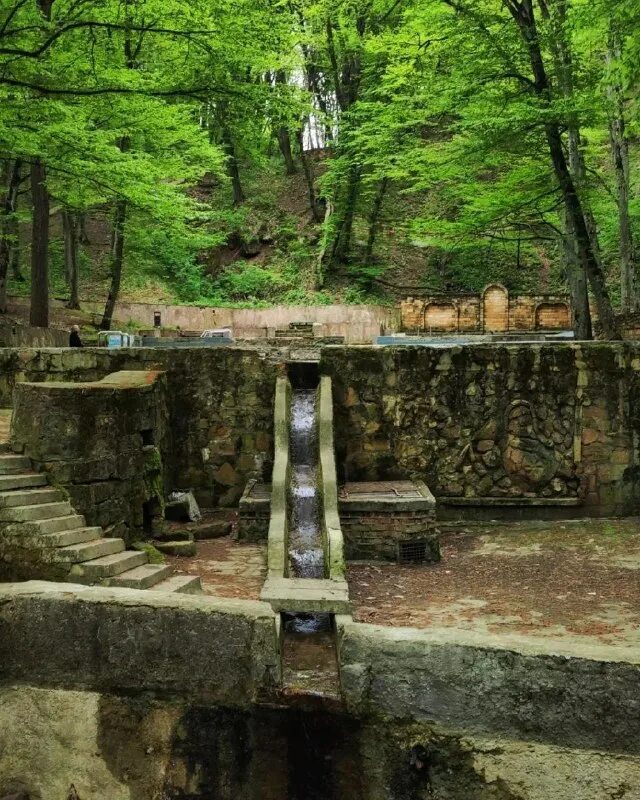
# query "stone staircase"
(39, 520)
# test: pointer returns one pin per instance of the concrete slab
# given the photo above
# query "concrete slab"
(306, 595)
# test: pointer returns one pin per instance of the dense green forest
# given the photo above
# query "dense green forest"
(300, 151)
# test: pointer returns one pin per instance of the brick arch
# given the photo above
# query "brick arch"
(440, 316)
(550, 315)
(495, 308)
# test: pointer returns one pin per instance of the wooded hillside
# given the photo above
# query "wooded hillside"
(255, 151)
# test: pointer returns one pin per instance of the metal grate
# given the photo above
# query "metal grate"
(412, 552)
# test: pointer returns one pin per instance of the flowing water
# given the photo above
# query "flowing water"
(306, 557)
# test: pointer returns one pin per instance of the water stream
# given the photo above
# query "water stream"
(306, 558)
(306, 555)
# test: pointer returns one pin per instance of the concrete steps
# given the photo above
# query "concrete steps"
(107, 566)
(10, 464)
(29, 497)
(42, 517)
(69, 537)
(143, 577)
(21, 481)
(31, 513)
(88, 551)
(180, 584)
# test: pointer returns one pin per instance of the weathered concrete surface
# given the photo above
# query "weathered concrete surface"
(277, 551)
(500, 686)
(26, 336)
(142, 748)
(52, 739)
(406, 761)
(332, 530)
(224, 651)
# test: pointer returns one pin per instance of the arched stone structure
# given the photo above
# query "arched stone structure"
(552, 315)
(495, 309)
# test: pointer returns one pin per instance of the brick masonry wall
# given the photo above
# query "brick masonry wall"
(372, 535)
(493, 421)
(495, 311)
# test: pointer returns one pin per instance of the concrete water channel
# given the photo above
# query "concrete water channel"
(305, 588)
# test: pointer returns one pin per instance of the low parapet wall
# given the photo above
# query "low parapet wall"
(277, 555)
(483, 684)
(215, 650)
(25, 336)
(332, 531)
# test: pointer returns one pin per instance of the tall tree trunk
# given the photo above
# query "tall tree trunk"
(117, 260)
(83, 236)
(284, 142)
(14, 249)
(577, 280)
(7, 225)
(620, 158)
(374, 219)
(233, 169)
(120, 213)
(342, 242)
(39, 316)
(587, 257)
(70, 230)
(563, 57)
(307, 168)
(524, 16)
(282, 133)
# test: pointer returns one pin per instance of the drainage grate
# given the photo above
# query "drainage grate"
(413, 552)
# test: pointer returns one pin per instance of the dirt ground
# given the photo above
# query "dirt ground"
(577, 579)
(227, 568)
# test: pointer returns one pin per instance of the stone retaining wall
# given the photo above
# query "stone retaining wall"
(25, 336)
(526, 423)
(219, 406)
(104, 442)
(211, 649)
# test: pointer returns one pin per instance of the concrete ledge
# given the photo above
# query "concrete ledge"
(353, 500)
(63, 635)
(334, 543)
(518, 502)
(307, 595)
(583, 697)
(278, 523)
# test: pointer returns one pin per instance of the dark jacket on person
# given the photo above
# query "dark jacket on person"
(75, 340)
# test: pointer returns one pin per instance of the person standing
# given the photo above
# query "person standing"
(74, 337)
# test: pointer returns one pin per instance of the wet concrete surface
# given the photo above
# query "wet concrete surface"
(309, 660)
(561, 580)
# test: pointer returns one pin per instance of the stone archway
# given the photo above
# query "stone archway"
(552, 316)
(495, 309)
